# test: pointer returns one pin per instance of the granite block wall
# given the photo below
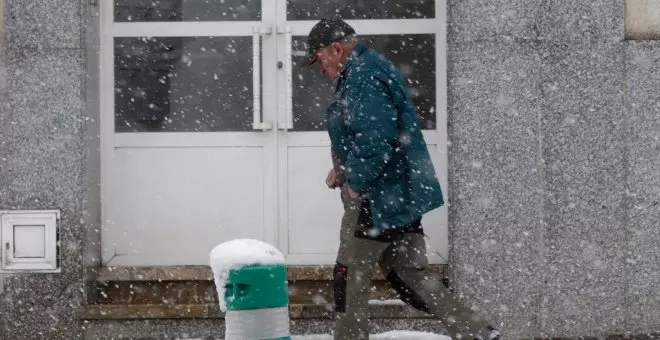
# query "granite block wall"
(552, 146)
(643, 184)
(42, 151)
(4, 106)
(495, 200)
(583, 197)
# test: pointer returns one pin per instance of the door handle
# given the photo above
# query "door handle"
(288, 89)
(257, 123)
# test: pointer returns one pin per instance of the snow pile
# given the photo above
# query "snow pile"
(239, 253)
(392, 335)
(388, 302)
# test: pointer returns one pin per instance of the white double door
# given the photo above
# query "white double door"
(211, 131)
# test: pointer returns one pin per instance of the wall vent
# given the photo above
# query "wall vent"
(29, 241)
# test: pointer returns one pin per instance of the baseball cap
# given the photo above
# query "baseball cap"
(324, 33)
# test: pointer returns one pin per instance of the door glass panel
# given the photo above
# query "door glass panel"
(413, 54)
(187, 10)
(183, 84)
(360, 9)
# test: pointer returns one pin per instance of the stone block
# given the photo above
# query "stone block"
(584, 204)
(557, 20)
(495, 199)
(478, 20)
(44, 171)
(643, 138)
(44, 24)
(5, 146)
(570, 20)
(43, 306)
(46, 121)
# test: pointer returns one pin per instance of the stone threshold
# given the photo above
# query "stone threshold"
(204, 273)
(212, 311)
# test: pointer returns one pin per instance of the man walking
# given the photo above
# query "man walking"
(388, 183)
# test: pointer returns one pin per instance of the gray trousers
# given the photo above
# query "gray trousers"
(403, 261)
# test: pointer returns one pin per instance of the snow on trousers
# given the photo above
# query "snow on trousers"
(402, 259)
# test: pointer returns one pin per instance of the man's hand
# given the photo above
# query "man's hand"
(352, 193)
(333, 180)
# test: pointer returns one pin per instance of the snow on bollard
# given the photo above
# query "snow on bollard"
(251, 280)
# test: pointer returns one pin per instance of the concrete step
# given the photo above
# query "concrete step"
(204, 273)
(201, 292)
(189, 292)
(392, 309)
(195, 285)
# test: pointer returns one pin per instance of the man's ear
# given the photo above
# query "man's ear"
(337, 47)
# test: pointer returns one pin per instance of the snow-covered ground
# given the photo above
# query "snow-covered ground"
(392, 335)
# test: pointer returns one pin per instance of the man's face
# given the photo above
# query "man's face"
(330, 60)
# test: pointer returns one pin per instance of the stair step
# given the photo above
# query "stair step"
(204, 273)
(154, 292)
(156, 311)
(203, 292)
(133, 293)
(378, 310)
(194, 285)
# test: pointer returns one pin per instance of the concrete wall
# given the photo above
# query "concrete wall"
(553, 166)
(553, 163)
(41, 133)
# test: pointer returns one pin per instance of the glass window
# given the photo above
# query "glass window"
(413, 54)
(183, 84)
(187, 10)
(360, 9)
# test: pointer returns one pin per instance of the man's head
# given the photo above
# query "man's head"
(329, 43)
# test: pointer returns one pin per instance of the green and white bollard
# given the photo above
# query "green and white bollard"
(251, 278)
(257, 300)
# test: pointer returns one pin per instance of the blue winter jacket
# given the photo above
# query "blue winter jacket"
(374, 129)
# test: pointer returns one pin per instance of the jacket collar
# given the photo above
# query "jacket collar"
(357, 51)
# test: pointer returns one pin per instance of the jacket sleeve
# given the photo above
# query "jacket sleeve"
(337, 166)
(372, 119)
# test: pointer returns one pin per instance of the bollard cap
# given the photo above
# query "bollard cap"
(239, 253)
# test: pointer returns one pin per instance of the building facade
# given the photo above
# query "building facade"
(137, 134)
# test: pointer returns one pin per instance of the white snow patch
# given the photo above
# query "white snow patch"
(239, 253)
(392, 335)
(388, 302)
